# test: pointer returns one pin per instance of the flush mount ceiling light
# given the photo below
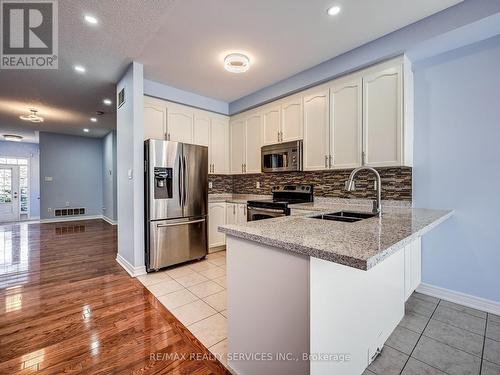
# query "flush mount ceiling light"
(93, 119)
(80, 69)
(107, 101)
(333, 11)
(12, 137)
(33, 117)
(86, 130)
(236, 63)
(90, 19)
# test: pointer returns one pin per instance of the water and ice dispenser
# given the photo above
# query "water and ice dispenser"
(163, 183)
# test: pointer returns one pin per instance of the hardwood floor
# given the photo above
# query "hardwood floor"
(66, 306)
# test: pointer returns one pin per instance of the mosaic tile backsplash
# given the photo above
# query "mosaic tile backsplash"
(396, 183)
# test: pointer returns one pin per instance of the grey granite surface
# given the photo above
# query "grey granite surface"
(325, 204)
(361, 245)
(235, 198)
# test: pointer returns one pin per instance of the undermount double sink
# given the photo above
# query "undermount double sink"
(345, 216)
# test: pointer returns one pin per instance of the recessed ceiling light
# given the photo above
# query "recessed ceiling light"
(334, 10)
(90, 19)
(33, 117)
(107, 101)
(80, 69)
(12, 137)
(86, 130)
(236, 63)
(93, 119)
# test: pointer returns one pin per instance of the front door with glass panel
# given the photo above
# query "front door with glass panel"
(9, 193)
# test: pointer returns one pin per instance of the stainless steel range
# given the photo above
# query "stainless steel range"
(283, 196)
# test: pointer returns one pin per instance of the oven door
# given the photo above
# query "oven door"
(255, 213)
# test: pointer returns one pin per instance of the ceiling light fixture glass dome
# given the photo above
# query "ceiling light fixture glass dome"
(33, 117)
(236, 63)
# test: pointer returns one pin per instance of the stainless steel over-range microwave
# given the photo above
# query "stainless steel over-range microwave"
(282, 157)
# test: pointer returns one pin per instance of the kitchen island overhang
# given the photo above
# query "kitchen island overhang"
(317, 311)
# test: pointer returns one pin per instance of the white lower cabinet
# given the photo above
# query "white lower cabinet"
(236, 213)
(216, 217)
(413, 266)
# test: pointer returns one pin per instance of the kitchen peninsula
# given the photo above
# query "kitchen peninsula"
(336, 289)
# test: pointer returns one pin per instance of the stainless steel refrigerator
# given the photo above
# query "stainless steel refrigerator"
(176, 202)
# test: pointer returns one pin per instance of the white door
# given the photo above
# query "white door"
(237, 130)
(382, 118)
(346, 124)
(201, 131)
(218, 149)
(9, 193)
(231, 213)
(155, 119)
(179, 124)
(316, 131)
(253, 143)
(291, 119)
(271, 125)
(216, 218)
(242, 213)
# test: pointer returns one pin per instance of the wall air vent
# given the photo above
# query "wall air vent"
(69, 212)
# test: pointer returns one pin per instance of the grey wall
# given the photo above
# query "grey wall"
(457, 133)
(31, 152)
(130, 165)
(109, 176)
(75, 164)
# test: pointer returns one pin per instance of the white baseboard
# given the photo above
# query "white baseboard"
(109, 221)
(73, 218)
(468, 300)
(131, 270)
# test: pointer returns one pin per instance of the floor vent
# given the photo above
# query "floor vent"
(69, 211)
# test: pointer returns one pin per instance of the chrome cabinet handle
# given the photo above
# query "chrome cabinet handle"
(168, 136)
(330, 161)
(326, 161)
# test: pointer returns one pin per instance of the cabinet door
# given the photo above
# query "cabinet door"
(216, 217)
(219, 145)
(253, 143)
(242, 213)
(271, 124)
(382, 118)
(155, 120)
(179, 124)
(292, 119)
(316, 131)
(231, 213)
(201, 130)
(346, 124)
(237, 130)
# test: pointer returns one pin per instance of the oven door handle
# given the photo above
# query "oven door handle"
(257, 209)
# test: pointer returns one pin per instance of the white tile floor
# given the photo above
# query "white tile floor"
(196, 294)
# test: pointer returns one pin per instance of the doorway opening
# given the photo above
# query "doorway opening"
(14, 189)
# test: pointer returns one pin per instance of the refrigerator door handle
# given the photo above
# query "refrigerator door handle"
(184, 171)
(180, 223)
(181, 181)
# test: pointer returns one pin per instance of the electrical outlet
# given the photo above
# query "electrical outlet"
(210, 185)
(49, 210)
(257, 185)
(67, 204)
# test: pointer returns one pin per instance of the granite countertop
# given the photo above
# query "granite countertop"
(361, 245)
(235, 198)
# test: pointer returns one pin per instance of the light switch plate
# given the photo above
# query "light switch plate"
(257, 184)
(48, 179)
(210, 185)
(130, 174)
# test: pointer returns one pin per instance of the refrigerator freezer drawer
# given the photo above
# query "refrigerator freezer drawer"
(177, 241)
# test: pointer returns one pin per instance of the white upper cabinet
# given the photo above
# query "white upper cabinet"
(291, 119)
(383, 117)
(253, 143)
(219, 145)
(238, 142)
(316, 130)
(180, 120)
(201, 130)
(271, 124)
(155, 118)
(346, 124)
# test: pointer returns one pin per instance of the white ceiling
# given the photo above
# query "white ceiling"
(182, 43)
